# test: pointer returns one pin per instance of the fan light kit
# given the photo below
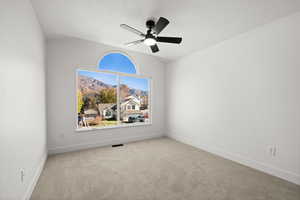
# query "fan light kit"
(149, 41)
(151, 37)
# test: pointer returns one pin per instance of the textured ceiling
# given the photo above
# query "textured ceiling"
(201, 23)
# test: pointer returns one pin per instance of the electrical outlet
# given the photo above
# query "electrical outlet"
(22, 175)
(272, 151)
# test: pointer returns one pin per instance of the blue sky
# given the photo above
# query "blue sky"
(107, 78)
(118, 63)
(137, 83)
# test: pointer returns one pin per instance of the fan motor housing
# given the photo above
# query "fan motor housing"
(149, 35)
(150, 23)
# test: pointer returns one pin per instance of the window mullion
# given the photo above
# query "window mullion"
(118, 99)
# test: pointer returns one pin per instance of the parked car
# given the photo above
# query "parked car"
(134, 118)
(140, 118)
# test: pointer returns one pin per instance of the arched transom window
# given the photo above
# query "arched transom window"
(112, 95)
(117, 62)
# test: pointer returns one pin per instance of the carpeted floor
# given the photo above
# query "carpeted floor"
(158, 169)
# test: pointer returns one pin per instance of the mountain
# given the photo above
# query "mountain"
(137, 92)
(127, 91)
(90, 85)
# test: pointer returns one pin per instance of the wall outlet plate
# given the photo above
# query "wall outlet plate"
(22, 175)
(272, 151)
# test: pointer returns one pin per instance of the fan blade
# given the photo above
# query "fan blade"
(176, 40)
(160, 25)
(134, 42)
(154, 48)
(133, 30)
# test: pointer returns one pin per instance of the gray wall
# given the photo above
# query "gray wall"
(64, 56)
(22, 99)
(240, 97)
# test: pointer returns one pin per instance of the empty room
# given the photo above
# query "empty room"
(149, 100)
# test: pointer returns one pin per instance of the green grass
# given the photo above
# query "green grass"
(107, 123)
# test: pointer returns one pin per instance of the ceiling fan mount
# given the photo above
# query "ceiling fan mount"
(151, 37)
(150, 23)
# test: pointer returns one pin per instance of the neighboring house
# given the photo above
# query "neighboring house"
(130, 106)
(131, 103)
(108, 110)
(90, 115)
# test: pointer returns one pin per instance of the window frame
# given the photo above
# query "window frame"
(118, 75)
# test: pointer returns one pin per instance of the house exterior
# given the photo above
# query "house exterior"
(131, 103)
(130, 106)
(90, 113)
(108, 110)
(90, 116)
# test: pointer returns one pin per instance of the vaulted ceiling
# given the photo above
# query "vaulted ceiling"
(201, 23)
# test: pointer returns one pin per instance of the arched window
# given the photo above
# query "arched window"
(117, 62)
(113, 95)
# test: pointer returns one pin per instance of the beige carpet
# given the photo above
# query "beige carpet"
(158, 169)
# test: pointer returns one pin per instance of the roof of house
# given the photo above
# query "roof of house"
(91, 111)
(131, 99)
(104, 106)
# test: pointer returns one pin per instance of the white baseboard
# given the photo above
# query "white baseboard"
(35, 178)
(76, 147)
(284, 174)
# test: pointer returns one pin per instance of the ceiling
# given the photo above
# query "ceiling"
(201, 23)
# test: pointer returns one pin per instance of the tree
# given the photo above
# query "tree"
(124, 91)
(79, 101)
(108, 96)
(92, 102)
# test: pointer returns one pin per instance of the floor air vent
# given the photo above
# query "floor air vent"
(117, 145)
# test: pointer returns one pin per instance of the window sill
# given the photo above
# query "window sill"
(111, 127)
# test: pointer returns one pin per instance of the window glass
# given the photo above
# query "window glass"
(117, 62)
(96, 99)
(134, 100)
(113, 96)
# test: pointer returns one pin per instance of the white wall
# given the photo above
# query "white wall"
(64, 56)
(22, 99)
(239, 97)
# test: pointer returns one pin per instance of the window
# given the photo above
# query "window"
(134, 92)
(112, 96)
(117, 62)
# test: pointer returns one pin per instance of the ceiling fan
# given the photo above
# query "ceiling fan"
(151, 37)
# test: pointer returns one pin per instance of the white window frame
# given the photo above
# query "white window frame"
(118, 74)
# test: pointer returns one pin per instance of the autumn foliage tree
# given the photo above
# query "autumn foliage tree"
(108, 96)
(79, 101)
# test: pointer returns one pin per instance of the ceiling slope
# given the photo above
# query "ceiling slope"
(201, 23)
